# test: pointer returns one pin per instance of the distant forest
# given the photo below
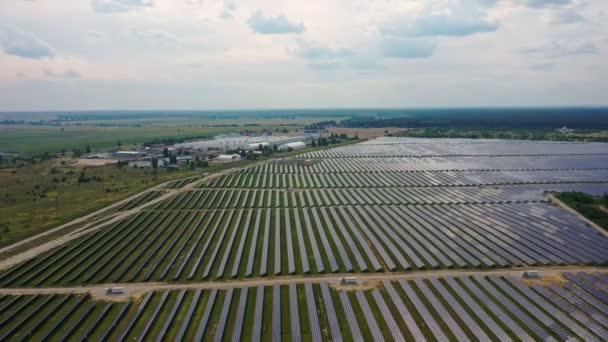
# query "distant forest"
(494, 118)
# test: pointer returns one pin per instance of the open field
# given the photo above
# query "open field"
(37, 197)
(101, 134)
(475, 308)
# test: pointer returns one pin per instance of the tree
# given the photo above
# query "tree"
(154, 163)
(173, 160)
(118, 143)
(88, 149)
(314, 143)
(166, 152)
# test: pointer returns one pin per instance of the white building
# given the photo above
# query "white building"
(296, 145)
(226, 158)
(241, 142)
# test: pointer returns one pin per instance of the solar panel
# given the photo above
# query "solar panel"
(350, 317)
(372, 325)
(202, 326)
(221, 324)
(300, 236)
(404, 312)
(388, 316)
(188, 315)
(334, 326)
(423, 311)
(276, 313)
(470, 323)
(240, 315)
(554, 311)
(170, 317)
(239, 252)
(514, 309)
(256, 333)
(254, 240)
(313, 315)
(294, 313)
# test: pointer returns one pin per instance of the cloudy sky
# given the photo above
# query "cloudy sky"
(233, 54)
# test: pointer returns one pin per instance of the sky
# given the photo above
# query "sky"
(236, 54)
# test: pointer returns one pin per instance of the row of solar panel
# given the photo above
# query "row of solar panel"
(407, 164)
(463, 309)
(239, 198)
(455, 147)
(175, 245)
(420, 179)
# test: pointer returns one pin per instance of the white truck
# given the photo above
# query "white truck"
(530, 274)
(349, 281)
(115, 291)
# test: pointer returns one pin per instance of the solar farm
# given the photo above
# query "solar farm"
(438, 229)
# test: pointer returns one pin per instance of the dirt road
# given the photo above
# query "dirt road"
(98, 291)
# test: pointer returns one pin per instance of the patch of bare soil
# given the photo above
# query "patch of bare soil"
(546, 279)
(131, 294)
(95, 162)
(362, 286)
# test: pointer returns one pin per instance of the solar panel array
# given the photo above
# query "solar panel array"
(423, 309)
(387, 205)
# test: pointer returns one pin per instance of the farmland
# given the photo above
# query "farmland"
(254, 253)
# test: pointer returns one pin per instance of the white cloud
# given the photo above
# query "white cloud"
(19, 43)
(70, 73)
(558, 49)
(117, 6)
(408, 48)
(280, 24)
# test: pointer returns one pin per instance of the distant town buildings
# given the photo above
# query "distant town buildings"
(223, 149)
(565, 130)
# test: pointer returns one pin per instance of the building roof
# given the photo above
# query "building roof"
(295, 144)
(228, 156)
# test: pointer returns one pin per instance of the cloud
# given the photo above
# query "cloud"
(564, 17)
(542, 66)
(407, 48)
(556, 50)
(95, 34)
(313, 50)
(443, 25)
(117, 6)
(155, 36)
(273, 25)
(72, 74)
(439, 25)
(24, 44)
(228, 10)
(545, 3)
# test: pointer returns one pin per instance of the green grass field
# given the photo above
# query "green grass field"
(104, 134)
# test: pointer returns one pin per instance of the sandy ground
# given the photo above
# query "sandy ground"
(546, 278)
(95, 162)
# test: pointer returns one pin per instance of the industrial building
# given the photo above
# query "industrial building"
(241, 142)
(296, 145)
